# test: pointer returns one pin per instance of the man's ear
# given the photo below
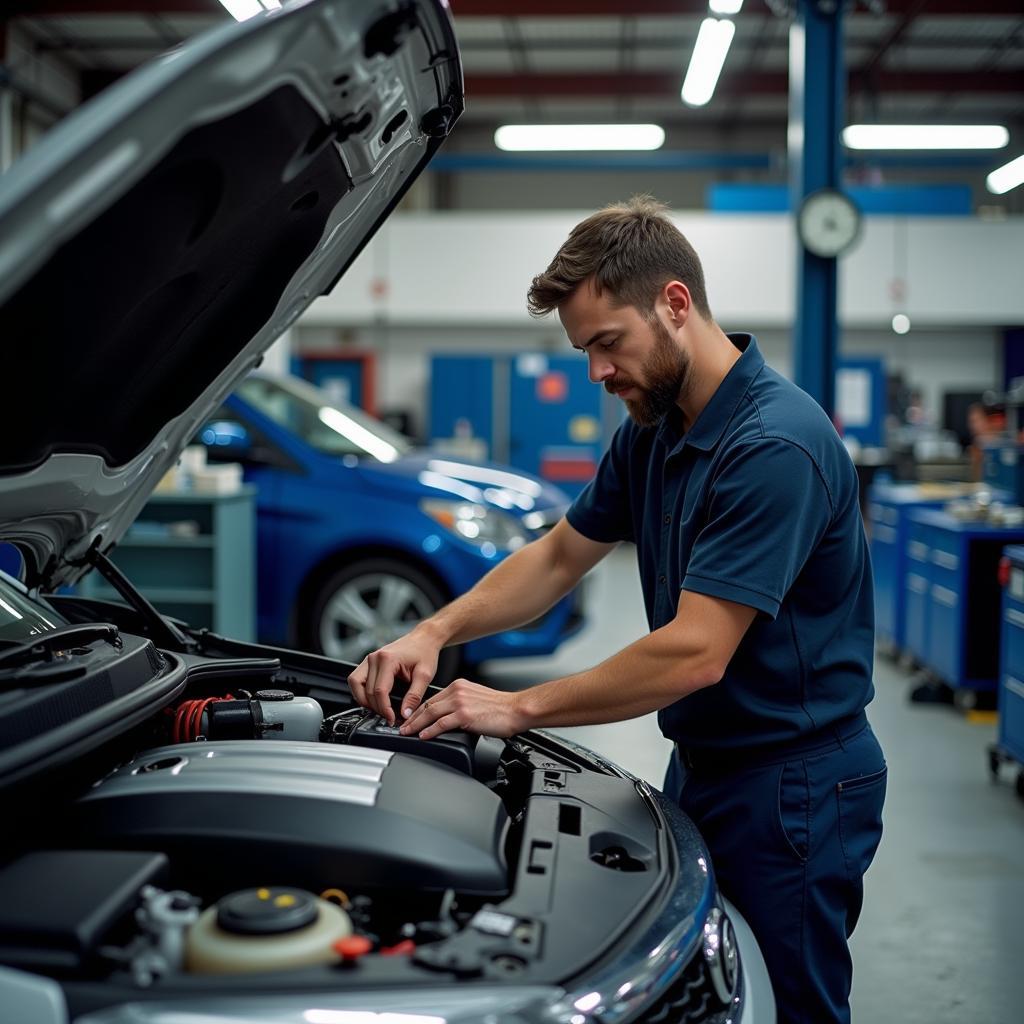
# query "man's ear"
(677, 298)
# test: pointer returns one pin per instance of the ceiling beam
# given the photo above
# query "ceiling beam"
(901, 29)
(624, 8)
(736, 83)
(501, 8)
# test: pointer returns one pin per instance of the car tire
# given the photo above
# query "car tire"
(371, 602)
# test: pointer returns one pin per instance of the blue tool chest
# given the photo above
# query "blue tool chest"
(953, 596)
(889, 528)
(1011, 681)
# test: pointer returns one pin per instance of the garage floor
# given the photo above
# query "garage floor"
(940, 938)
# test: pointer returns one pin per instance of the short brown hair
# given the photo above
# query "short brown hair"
(631, 250)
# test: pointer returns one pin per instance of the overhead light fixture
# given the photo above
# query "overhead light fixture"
(551, 137)
(1010, 175)
(709, 52)
(242, 10)
(725, 6)
(925, 136)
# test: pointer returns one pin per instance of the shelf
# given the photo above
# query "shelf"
(160, 541)
(161, 595)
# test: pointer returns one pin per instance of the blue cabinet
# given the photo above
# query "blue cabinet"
(888, 528)
(535, 411)
(193, 556)
(1011, 674)
(953, 597)
(916, 590)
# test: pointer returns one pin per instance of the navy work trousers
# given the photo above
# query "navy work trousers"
(790, 842)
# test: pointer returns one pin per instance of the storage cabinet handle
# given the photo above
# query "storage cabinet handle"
(1015, 686)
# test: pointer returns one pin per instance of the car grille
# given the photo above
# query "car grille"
(689, 999)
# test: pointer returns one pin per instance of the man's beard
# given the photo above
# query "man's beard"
(666, 375)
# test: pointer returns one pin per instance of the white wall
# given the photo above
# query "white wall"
(465, 268)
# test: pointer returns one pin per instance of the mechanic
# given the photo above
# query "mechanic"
(743, 504)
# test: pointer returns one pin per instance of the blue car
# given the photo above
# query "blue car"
(360, 535)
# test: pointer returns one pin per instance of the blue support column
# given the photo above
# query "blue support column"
(817, 97)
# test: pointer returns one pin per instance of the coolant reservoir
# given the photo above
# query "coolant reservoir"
(268, 929)
(287, 717)
(269, 715)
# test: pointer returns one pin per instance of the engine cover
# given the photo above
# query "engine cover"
(312, 815)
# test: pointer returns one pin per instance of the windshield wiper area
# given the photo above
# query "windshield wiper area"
(49, 646)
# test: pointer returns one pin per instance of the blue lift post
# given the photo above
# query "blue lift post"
(817, 98)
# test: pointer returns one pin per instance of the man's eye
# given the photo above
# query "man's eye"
(608, 344)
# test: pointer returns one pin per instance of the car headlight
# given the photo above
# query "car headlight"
(477, 524)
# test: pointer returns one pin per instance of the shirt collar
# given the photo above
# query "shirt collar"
(709, 425)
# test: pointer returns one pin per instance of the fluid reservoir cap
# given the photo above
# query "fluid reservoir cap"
(274, 695)
(269, 911)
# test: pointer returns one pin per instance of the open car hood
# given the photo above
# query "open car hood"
(155, 243)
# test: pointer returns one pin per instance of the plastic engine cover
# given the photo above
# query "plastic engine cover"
(313, 815)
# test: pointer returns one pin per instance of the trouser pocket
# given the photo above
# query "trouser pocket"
(860, 830)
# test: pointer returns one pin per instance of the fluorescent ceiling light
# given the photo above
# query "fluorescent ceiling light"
(241, 10)
(713, 41)
(725, 6)
(925, 136)
(1010, 175)
(522, 137)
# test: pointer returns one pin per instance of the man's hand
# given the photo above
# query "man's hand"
(469, 706)
(412, 657)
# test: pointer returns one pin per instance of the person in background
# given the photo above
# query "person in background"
(984, 425)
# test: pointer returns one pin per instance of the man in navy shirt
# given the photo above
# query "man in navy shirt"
(742, 503)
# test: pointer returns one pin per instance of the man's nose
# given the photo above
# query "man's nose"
(600, 368)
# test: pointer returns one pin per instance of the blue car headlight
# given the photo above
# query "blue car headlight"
(478, 524)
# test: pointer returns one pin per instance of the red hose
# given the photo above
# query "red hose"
(188, 719)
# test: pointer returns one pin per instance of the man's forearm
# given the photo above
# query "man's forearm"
(516, 591)
(646, 676)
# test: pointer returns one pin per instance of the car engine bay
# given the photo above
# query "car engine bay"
(229, 821)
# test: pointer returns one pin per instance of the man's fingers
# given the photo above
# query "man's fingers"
(444, 724)
(357, 682)
(380, 687)
(421, 677)
(424, 715)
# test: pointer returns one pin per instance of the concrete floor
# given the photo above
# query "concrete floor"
(938, 941)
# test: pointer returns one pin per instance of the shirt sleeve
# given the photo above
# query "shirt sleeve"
(602, 511)
(768, 509)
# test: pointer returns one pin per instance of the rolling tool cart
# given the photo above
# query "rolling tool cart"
(1010, 747)
(952, 602)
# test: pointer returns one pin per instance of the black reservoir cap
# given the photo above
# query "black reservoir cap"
(267, 911)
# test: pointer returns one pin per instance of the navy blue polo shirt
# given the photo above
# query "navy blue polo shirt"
(757, 503)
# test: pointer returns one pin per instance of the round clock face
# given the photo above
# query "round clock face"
(828, 223)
